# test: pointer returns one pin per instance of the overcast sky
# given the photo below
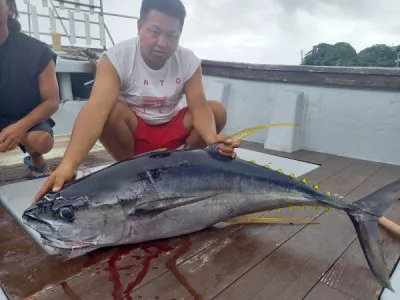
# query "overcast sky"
(263, 31)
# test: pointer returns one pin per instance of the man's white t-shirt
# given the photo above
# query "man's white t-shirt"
(154, 95)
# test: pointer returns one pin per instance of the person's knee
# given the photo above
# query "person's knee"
(120, 116)
(39, 142)
(219, 112)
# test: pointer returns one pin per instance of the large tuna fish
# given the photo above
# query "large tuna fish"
(166, 194)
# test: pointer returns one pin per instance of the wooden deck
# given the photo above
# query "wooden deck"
(320, 262)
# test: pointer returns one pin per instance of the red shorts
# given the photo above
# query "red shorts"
(169, 135)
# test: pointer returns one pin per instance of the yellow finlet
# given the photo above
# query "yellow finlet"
(326, 208)
(292, 176)
(303, 206)
(261, 220)
(248, 131)
(316, 187)
(291, 207)
(253, 161)
(267, 166)
(156, 150)
(304, 180)
(328, 193)
(315, 207)
(278, 209)
(280, 171)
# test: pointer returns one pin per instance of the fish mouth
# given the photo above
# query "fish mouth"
(56, 243)
(36, 223)
(47, 232)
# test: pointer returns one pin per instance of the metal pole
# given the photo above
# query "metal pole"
(122, 16)
(102, 14)
(79, 4)
(61, 18)
(29, 18)
(62, 23)
(109, 34)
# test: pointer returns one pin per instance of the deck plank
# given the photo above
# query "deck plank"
(302, 155)
(323, 292)
(296, 266)
(350, 274)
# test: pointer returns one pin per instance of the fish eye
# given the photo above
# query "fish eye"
(67, 213)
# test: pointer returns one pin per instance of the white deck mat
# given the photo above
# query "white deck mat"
(2, 294)
(17, 197)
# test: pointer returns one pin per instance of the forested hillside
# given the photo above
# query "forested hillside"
(343, 54)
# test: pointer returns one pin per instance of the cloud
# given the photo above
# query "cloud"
(269, 31)
(275, 31)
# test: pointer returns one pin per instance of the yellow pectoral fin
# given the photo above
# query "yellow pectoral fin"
(246, 132)
(248, 219)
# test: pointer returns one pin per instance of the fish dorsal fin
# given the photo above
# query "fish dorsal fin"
(160, 150)
(155, 151)
(240, 135)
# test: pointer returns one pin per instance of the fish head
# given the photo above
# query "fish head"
(75, 222)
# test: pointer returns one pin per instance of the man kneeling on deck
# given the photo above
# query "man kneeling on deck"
(29, 93)
(135, 104)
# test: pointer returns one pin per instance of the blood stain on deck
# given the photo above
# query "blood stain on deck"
(171, 265)
(69, 292)
(151, 251)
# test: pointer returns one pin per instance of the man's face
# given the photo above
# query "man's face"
(159, 37)
(5, 12)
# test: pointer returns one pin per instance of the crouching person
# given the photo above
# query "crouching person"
(29, 93)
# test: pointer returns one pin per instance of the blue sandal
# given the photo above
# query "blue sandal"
(41, 169)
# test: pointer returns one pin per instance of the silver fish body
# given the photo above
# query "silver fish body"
(171, 193)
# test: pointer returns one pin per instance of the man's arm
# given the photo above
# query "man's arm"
(92, 117)
(203, 117)
(49, 92)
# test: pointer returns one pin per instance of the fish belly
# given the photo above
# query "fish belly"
(199, 215)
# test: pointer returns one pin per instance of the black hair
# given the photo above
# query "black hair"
(12, 23)
(172, 8)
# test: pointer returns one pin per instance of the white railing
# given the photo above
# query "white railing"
(61, 14)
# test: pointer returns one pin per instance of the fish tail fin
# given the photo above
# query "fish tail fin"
(365, 216)
(367, 232)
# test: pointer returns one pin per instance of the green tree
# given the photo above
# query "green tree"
(340, 54)
(343, 54)
(377, 56)
(316, 55)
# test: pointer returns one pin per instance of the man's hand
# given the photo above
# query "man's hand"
(11, 136)
(226, 147)
(63, 174)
